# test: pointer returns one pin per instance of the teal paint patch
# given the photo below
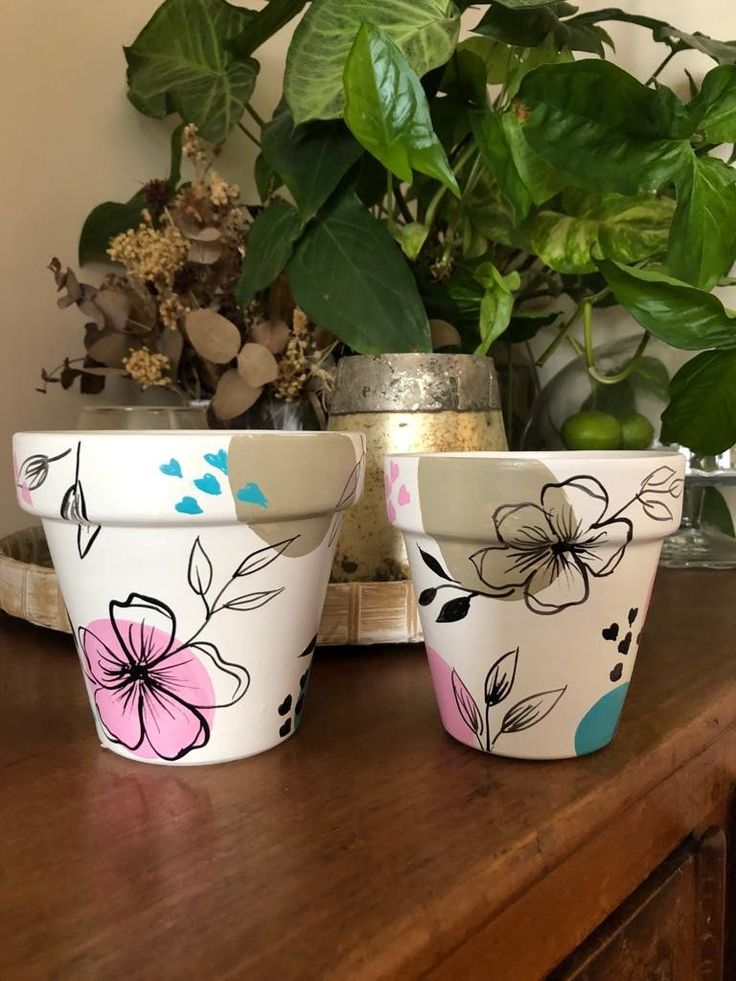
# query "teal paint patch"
(209, 484)
(217, 460)
(188, 505)
(598, 725)
(171, 469)
(252, 494)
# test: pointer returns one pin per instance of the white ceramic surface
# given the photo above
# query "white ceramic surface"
(534, 573)
(194, 566)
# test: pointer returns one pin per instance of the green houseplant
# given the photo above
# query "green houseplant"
(484, 184)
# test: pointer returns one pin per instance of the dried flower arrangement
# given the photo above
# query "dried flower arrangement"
(173, 317)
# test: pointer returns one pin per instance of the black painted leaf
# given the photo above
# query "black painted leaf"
(454, 610)
(660, 478)
(529, 711)
(657, 510)
(251, 601)
(285, 729)
(74, 508)
(309, 649)
(466, 704)
(427, 596)
(431, 562)
(500, 679)
(239, 676)
(86, 537)
(351, 486)
(200, 569)
(33, 472)
(262, 558)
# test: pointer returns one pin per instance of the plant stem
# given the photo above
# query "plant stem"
(254, 115)
(561, 335)
(657, 71)
(403, 206)
(442, 190)
(250, 136)
(535, 374)
(621, 375)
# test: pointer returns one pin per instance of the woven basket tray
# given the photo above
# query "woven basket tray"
(355, 613)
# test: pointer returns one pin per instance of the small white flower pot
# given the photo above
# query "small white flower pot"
(194, 566)
(534, 573)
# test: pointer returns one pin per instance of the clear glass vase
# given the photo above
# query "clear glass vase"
(142, 417)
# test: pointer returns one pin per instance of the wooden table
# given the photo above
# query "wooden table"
(371, 845)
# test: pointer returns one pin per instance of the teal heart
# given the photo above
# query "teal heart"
(187, 505)
(217, 460)
(172, 468)
(252, 494)
(209, 484)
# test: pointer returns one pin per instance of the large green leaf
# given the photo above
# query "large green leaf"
(702, 411)
(310, 160)
(486, 218)
(530, 25)
(716, 512)
(425, 30)
(264, 24)
(349, 275)
(713, 110)
(703, 242)
(105, 222)
(724, 52)
(594, 226)
(388, 112)
(180, 63)
(540, 177)
(682, 315)
(490, 137)
(593, 120)
(525, 4)
(496, 305)
(270, 244)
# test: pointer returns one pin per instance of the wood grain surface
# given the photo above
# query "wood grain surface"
(371, 845)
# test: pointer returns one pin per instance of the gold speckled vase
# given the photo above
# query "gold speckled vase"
(406, 403)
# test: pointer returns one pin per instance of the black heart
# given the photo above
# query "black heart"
(285, 706)
(611, 633)
(623, 647)
(285, 728)
(615, 675)
(633, 614)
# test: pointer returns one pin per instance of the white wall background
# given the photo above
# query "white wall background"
(72, 140)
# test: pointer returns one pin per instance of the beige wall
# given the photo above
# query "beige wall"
(72, 140)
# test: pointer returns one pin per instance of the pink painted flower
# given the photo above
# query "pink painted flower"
(153, 694)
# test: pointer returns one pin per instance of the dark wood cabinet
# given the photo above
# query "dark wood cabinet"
(671, 929)
(372, 845)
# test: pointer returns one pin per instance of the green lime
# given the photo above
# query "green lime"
(592, 431)
(637, 432)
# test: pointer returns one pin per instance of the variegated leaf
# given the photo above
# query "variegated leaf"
(425, 30)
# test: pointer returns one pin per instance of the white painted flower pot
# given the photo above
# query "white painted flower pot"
(534, 573)
(194, 566)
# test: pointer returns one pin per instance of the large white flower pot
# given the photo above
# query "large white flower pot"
(534, 573)
(194, 566)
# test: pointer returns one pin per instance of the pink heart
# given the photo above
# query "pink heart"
(391, 511)
(404, 496)
(394, 468)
